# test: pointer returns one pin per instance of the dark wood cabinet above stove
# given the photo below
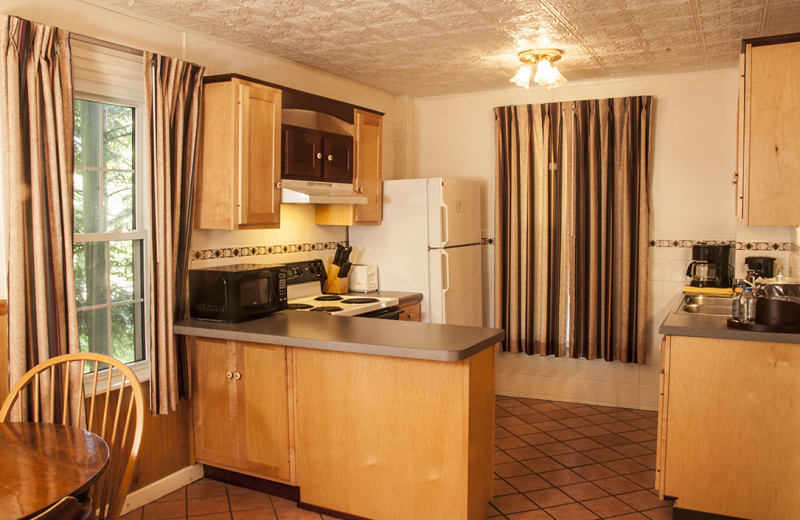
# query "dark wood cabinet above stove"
(313, 155)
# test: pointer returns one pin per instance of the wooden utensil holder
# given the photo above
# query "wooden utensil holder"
(334, 284)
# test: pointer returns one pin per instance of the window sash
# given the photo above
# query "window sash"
(138, 234)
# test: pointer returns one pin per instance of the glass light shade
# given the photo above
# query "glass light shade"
(548, 75)
(523, 77)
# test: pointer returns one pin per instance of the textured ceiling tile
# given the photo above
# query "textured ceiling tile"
(430, 47)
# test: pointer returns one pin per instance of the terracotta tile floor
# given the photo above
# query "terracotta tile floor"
(553, 460)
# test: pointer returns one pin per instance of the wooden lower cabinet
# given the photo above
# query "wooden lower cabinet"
(729, 427)
(241, 402)
(372, 436)
(395, 439)
(411, 311)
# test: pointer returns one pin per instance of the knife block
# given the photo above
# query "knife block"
(334, 284)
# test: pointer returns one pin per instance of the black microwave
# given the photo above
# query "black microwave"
(234, 293)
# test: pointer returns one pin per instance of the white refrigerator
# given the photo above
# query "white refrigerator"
(429, 241)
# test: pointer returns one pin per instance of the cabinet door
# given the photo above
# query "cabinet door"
(213, 400)
(368, 177)
(263, 397)
(219, 158)
(663, 414)
(772, 123)
(338, 157)
(260, 122)
(302, 154)
(733, 427)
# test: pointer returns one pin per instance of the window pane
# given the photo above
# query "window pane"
(104, 160)
(126, 262)
(88, 150)
(88, 201)
(126, 329)
(119, 200)
(91, 273)
(93, 330)
(118, 137)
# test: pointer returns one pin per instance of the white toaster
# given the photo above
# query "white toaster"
(363, 278)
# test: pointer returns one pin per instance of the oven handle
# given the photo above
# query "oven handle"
(386, 313)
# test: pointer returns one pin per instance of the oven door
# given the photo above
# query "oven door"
(386, 313)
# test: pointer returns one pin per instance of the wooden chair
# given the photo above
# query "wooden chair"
(110, 404)
(68, 508)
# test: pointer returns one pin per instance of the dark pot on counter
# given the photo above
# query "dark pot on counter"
(777, 313)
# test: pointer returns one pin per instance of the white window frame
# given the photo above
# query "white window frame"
(141, 230)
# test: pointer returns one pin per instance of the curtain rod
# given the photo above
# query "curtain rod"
(108, 45)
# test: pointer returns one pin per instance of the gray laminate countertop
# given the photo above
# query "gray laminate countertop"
(703, 326)
(394, 338)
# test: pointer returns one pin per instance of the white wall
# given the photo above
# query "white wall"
(297, 223)
(693, 155)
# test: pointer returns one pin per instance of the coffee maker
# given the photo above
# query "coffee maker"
(759, 267)
(711, 266)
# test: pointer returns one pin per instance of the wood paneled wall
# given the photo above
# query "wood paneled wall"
(4, 384)
(166, 443)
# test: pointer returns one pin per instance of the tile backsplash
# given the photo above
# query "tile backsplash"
(298, 238)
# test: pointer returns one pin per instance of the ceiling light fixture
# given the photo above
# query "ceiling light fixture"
(547, 74)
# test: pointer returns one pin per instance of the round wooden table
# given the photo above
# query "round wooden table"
(42, 463)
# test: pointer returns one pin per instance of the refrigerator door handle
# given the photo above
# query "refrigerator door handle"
(445, 279)
(445, 221)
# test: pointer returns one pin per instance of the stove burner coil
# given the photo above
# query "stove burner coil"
(328, 298)
(300, 306)
(326, 308)
(356, 301)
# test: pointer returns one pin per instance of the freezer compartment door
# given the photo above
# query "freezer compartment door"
(455, 286)
(454, 209)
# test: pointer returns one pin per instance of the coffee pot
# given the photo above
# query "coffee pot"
(702, 273)
(711, 265)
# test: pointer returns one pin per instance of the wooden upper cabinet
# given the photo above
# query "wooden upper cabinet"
(240, 157)
(768, 149)
(368, 177)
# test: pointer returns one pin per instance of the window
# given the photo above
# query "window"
(109, 242)
(110, 231)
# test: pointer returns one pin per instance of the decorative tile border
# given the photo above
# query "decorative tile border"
(235, 252)
(746, 246)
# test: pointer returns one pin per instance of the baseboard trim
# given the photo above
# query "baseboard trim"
(165, 486)
(511, 393)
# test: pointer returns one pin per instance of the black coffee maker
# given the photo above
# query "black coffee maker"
(759, 267)
(712, 265)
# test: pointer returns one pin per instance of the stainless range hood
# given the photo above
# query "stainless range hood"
(315, 192)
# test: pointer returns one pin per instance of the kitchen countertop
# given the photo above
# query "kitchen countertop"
(352, 334)
(704, 326)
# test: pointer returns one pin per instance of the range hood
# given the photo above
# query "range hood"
(316, 192)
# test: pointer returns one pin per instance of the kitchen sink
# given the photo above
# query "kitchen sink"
(705, 305)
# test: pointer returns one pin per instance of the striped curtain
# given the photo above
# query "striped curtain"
(173, 109)
(36, 127)
(571, 222)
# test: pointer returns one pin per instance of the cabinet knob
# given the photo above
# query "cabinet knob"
(237, 376)
(278, 185)
(319, 155)
(229, 375)
(330, 157)
(735, 178)
(361, 190)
